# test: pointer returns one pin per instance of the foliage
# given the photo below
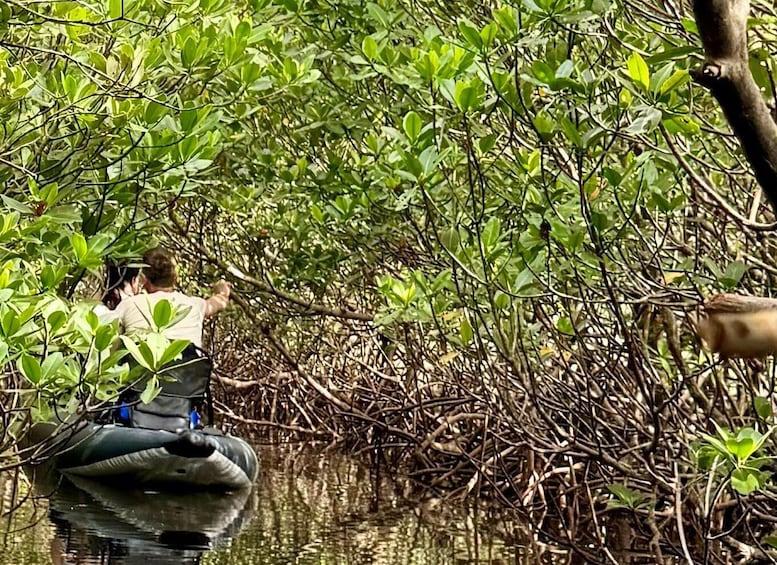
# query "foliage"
(109, 110)
(733, 455)
(521, 200)
(625, 497)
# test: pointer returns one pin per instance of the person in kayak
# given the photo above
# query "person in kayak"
(121, 281)
(135, 312)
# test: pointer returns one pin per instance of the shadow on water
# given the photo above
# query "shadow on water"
(307, 507)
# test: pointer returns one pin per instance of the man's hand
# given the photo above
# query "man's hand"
(222, 287)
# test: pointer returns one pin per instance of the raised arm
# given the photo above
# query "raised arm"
(218, 300)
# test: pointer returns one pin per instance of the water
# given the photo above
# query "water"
(308, 507)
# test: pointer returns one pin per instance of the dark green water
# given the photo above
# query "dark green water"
(308, 507)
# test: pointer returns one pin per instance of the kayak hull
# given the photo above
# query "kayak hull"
(114, 453)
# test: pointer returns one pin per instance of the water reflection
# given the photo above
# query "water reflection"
(108, 525)
(307, 507)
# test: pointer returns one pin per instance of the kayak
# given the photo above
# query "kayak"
(121, 454)
(167, 441)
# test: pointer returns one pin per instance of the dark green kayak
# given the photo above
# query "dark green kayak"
(169, 440)
(147, 456)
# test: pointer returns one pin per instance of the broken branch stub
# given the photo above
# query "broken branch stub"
(739, 326)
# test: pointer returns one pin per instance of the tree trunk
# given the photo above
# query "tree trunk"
(726, 72)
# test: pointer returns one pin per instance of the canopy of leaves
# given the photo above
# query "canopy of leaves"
(520, 201)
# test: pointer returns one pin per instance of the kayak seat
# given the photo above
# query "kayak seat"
(183, 402)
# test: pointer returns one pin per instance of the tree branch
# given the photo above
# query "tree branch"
(705, 186)
(726, 73)
(267, 288)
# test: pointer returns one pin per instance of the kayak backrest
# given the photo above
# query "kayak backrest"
(185, 387)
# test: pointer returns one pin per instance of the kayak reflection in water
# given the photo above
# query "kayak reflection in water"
(97, 523)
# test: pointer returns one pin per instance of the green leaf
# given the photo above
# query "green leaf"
(705, 456)
(93, 320)
(465, 331)
(151, 390)
(734, 273)
(134, 350)
(115, 9)
(51, 365)
(10, 323)
(677, 79)
(624, 98)
(370, 48)
(501, 300)
(80, 248)
(428, 159)
(638, 70)
(188, 120)
(450, 239)
(718, 445)
(545, 125)
(627, 497)
(468, 96)
(745, 481)
(173, 351)
(570, 131)
(180, 313)
(378, 14)
(491, 233)
(316, 213)
(488, 34)
(763, 407)
(507, 18)
(162, 314)
(104, 337)
(742, 448)
(56, 320)
(155, 343)
(15, 205)
(189, 53)
(565, 326)
(487, 143)
(523, 280)
(543, 71)
(659, 77)
(412, 125)
(30, 368)
(148, 354)
(470, 33)
(676, 53)
(565, 69)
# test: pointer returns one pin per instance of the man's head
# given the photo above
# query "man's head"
(159, 270)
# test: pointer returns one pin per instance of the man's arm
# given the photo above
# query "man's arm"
(218, 300)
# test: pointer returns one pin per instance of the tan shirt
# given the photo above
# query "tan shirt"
(135, 313)
(105, 314)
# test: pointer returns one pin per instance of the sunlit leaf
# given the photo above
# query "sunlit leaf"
(638, 70)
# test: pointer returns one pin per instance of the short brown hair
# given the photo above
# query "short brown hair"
(160, 267)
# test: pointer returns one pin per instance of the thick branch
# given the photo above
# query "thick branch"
(739, 326)
(723, 28)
